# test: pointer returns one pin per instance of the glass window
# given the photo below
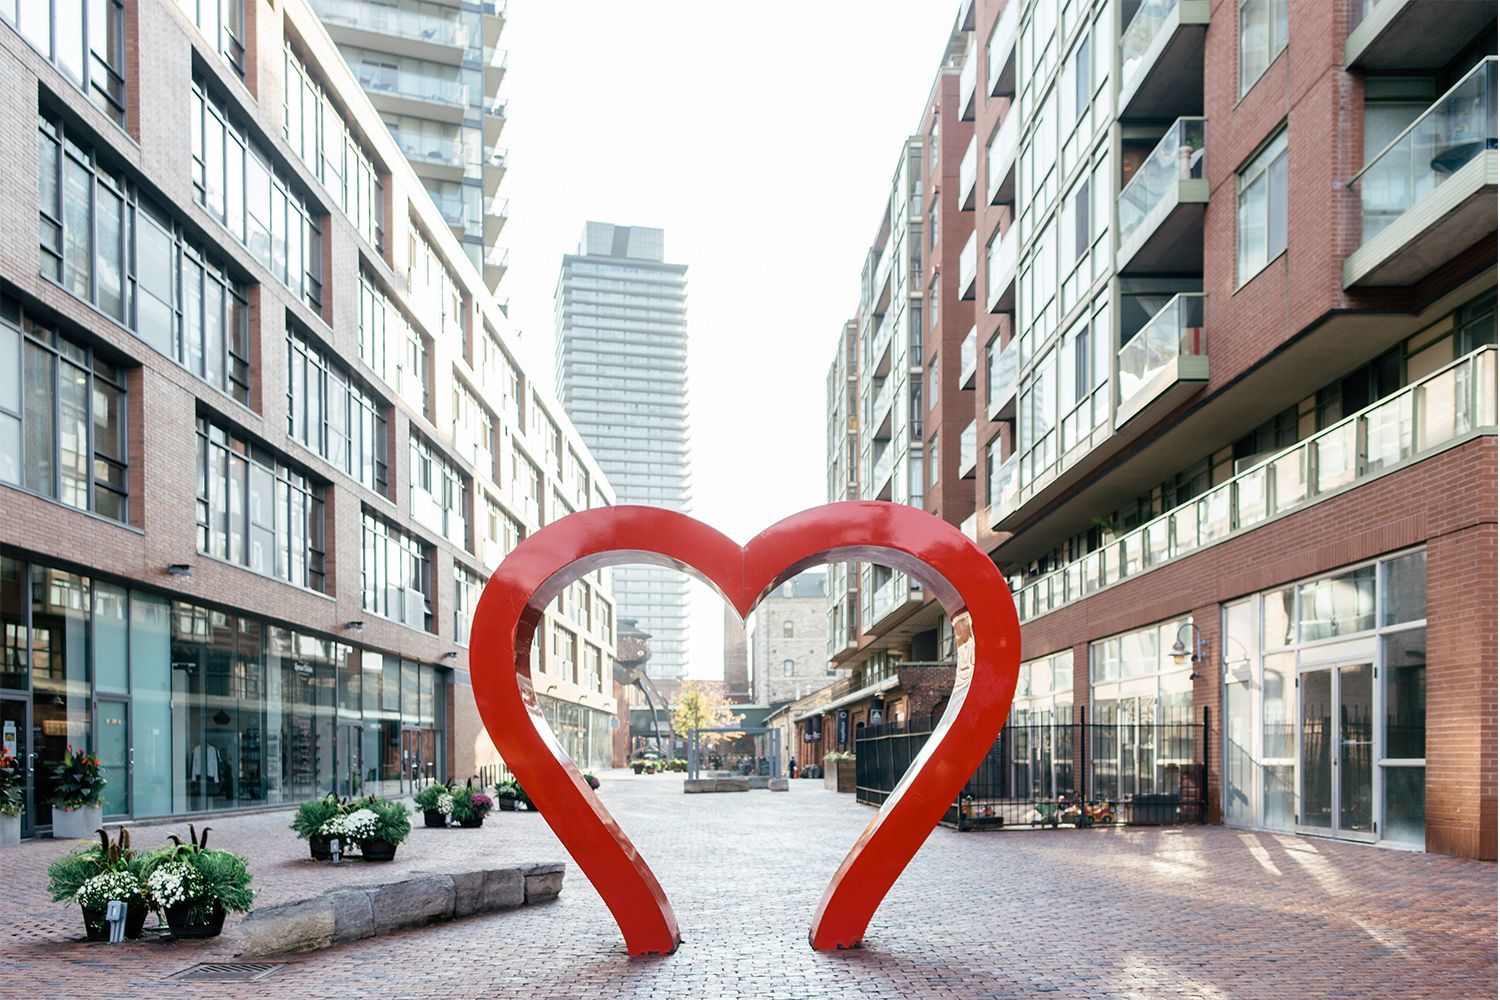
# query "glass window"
(62, 417)
(1403, 588)
(396, 574)
(223, 24)
(256, 511)
(89, 44)
(439, 492)
(333, 415)
(1337, 605)
(1263, 34)
(1261, 216)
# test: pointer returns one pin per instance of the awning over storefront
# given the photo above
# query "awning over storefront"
(879, 687)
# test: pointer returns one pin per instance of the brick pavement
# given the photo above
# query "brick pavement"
(1203, 912)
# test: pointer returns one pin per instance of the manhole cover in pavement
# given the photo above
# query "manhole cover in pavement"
(228, 972)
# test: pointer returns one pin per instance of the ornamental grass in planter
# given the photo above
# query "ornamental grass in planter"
(436, 803)
(77, 795)
(193, 887)
(97, 874)
(318, 821)
(378, 826)
(471, 806)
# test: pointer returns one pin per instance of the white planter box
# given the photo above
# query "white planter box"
(10, 830)
(76, 824)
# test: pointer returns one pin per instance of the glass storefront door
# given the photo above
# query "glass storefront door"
(112, 718)
(350, 759)
(15, 736)
(1336, 750)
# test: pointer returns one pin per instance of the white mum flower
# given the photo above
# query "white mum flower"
(361, 824)
(445, 804)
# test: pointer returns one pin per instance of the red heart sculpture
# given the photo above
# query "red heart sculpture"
(943, 559)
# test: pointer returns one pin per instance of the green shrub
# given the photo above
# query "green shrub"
(427, 798)
(204, 876)
(311, 815)
(67, 874)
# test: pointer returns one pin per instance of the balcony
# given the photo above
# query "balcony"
(968, 168)
(1412, 34)
(1166, 362)
(966, 79)
(1447, 408)
(889, 597)
(443, 157)
(1001, 386)
(1000, 51)
(494, 170)
(1161, 59)
(1004, 495)
(968, 450)
(1161, 208)
(880, 477)
(880, 411)
(880, 346)
(496, 215)
(968, 266)
(968, 358)
(376, 26)
(1431, 192)
(1000, 162)
(412, 93)
(497, 260)
(1000, 271)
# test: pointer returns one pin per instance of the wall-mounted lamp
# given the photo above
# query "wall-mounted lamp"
(452, 654)
(355, 626)
(179, 569)
(1181, 653)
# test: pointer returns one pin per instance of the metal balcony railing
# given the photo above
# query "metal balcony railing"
(1419, 420)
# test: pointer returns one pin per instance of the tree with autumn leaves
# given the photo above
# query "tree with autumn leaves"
(702, 706)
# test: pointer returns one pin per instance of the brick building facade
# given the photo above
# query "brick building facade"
(262, 430)
(1222, 399)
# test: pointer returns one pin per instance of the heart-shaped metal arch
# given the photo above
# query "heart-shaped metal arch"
(943, 559)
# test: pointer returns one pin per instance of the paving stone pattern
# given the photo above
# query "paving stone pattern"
(1194, 912)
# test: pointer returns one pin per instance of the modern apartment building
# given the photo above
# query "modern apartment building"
(262, 431)
(433, 69)
(1225, 404)
(621, 313)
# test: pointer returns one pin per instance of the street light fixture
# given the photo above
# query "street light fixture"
(1181, 653)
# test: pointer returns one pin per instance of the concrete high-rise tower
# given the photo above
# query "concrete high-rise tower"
(622, 377)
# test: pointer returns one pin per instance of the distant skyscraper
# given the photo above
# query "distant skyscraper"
(622, 377)
(433, 71)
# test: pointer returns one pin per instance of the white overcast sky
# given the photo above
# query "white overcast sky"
(763, 138)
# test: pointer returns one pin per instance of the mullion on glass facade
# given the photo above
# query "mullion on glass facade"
(331, 414)
(255, 511)
(236, 182)
(223, 24)
(396, 574)
(85, 41)
(438, 493)
(62, 417)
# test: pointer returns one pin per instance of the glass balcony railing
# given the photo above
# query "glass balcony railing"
(448, 151)
(1000, 270)
(1139, 35)
(968, 264)
(1002, 152)
(1002, 488)
(1175, 332)
(389, 20)
(1457, 128)
(966, 79)
(968, 451)
(1002, 44)
(1003, 369)
(890, 595)
(968, 358)
(383, 80)
(882, 339)
(883, 467)
(882, 405)
(1359, 10)
(1419, 420)
(1177, 157)
(968, 169)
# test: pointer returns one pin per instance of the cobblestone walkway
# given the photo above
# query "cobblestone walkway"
(1198, 912)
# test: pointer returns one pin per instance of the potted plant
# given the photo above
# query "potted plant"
(193, 888)
(506, 793)
(12, 800)
(471, 807)
(592, 780)
(436, 803)
(97, 874)
(378, 826)
(318, 821)
(838, 771)
(637, 766)
(523, 801)
(77, 795)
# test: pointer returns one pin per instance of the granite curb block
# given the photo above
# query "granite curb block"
(339, 916)
(695, 785)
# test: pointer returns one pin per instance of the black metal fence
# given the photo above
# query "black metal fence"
(1073, 774)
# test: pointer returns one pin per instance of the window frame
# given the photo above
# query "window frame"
(1259, 169)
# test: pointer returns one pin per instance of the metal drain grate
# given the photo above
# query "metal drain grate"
(228, 972)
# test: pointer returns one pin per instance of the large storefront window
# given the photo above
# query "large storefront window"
(194, 709)
(1040, 729)
(1325, 704)
(583, 732)
(1142, 707)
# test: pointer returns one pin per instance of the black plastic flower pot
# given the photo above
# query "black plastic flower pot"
(472, 824)
(431, 817)
(97, 928)
(377, 849)
(319, 848)
(506, 805)
(184, 927)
